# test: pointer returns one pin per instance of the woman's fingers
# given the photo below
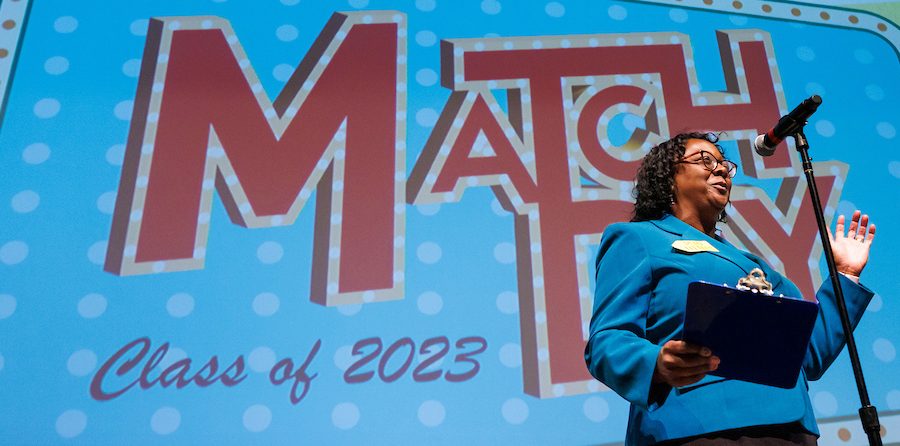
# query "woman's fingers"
(682, 347)
(697, 370)
(688, 361)
(681, 363)
(685, 376)
(854, 224)
(860, 230)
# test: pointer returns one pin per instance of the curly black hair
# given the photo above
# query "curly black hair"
(655, 180)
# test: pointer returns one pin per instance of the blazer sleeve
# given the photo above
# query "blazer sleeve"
(618, 352)
(827, 339)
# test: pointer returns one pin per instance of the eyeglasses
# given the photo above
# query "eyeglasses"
(711, 163)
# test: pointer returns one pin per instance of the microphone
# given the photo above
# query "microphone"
(788, 125)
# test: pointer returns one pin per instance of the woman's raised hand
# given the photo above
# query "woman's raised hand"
(851, 250)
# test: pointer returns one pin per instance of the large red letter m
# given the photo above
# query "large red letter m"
(202, 121)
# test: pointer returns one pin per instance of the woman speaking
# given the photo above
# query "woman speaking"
(681, 190)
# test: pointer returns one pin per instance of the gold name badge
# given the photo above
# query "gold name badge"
(694, 246)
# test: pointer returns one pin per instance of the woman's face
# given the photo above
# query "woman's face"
(698, 189)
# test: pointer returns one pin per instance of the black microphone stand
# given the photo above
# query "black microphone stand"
(868, 414)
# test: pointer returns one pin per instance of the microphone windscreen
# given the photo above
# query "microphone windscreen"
(762, 148)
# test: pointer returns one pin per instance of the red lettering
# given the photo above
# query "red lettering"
(234, 374)
(560, 100)
(467, 117)
(177, 373)
(284, 370)
(155, 359)
(206, 376)
(202, 121)
(97, 391)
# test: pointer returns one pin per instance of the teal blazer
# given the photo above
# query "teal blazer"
(639, 305)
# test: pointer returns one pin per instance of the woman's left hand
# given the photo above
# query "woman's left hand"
(851, 250)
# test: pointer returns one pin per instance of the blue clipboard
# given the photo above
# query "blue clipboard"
(760, 339)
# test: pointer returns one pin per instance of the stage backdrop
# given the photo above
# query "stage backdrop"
(374, 222)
